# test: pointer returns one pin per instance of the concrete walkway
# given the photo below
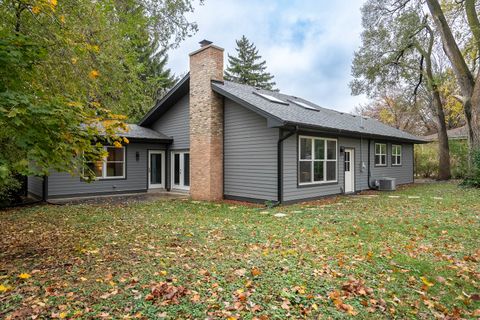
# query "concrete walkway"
(151, 195)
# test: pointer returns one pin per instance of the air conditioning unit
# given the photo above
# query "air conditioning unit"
(386, 184)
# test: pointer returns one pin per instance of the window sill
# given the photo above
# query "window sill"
(380, 165)
(316, 184)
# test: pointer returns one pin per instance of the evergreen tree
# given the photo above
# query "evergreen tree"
(247, 67)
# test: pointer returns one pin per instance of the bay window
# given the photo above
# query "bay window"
(317, 162)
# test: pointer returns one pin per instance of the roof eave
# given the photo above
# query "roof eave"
(349, 133)
(156, 140)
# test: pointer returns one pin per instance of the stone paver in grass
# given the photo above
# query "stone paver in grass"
(279, 215)
(394, 197)
(437, 198)
(413, 197)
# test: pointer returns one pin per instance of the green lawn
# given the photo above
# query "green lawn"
(368, 257)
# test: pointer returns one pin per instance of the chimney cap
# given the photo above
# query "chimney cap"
(205, 43)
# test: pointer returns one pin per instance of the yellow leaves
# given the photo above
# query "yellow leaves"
(426, 282)
(117, 144)
(163, 273)
(74, 104)
(92, 48)
(52, 4)
(24, 276)
(62, 315)
(4, 288)
(74, 60)
(44, 4)
(94, 74)
(95, 104)
(36, 9)
(62, 18)
(125, 140)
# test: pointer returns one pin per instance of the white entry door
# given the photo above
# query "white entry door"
(349, 170)
(181, 170)
(156, 169)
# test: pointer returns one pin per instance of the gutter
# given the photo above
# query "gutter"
(348, 133)
(369, 170)
(280, 163)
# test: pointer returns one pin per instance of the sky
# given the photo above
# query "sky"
(308, 44)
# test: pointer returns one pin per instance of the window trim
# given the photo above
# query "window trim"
(314, 183)
(400, 155)
(104, 166)
(375, 154)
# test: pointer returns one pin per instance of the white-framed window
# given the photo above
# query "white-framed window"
(396, 155)
(380, 154)
(112, 166)
(317, 160)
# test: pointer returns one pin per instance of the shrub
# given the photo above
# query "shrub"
(473, 180)
(9, 187)
(426, 159)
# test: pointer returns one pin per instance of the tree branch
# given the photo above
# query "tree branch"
(473, 22)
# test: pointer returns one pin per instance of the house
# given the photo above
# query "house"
(460, 133)
(222, 140)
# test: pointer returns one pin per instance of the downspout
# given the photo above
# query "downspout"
(168, 161)
(280, 163)
(45, 189)
(369, 171)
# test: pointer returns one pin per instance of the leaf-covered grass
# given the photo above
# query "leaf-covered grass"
(368, 256)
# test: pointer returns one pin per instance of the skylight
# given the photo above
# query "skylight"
(303, 105)
(270, 98)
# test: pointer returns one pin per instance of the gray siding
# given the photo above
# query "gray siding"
(293, 192)
(63, 184)
(404, 173)
(175, 123)
(250, 154)
(35, 186)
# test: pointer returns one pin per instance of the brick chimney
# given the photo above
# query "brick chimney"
(206, 123)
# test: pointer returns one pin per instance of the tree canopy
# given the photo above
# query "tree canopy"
(69, 68)
(247, 67)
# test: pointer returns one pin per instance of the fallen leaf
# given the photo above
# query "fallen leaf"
(4, 288)
(256, 272)
(24, 276)
(240, 272)
(426, 282)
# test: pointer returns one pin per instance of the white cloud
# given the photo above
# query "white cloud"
(308, 45)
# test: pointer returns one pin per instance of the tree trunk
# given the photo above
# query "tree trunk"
(469, 89)
(474, 129)
(444, 172)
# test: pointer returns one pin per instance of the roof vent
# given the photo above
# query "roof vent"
(270, 98)
(303, 104)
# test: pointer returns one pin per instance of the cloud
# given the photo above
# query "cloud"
(308, 45)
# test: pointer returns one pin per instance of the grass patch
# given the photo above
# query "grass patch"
(372, 257)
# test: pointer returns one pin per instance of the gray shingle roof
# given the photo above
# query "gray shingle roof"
(137, 132)
(453, 134)
(293, 114)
